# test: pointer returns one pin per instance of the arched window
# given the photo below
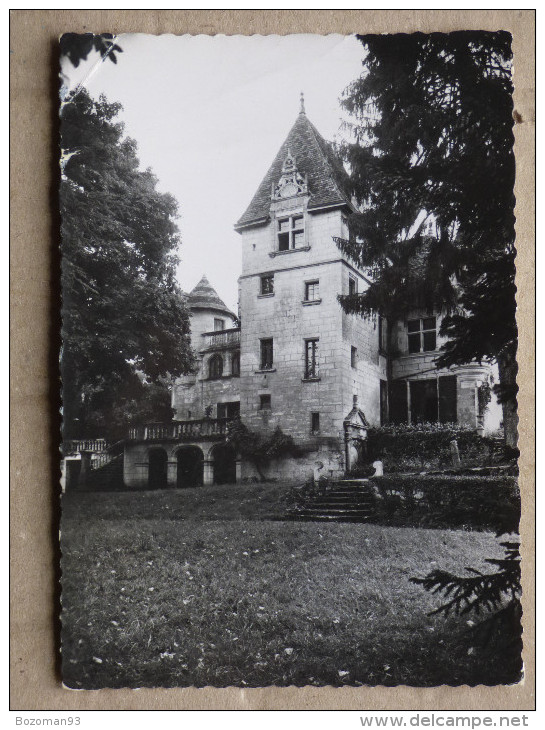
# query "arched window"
(215, 367)
(235, 364)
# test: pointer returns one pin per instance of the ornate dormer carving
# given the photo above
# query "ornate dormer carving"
(291, 181)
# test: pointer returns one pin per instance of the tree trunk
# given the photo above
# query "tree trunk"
(507, 367)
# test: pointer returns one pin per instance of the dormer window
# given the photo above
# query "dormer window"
(291, 233)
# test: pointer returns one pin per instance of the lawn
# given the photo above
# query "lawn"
(194, 587)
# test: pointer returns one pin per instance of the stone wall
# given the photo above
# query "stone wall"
(362, 380)
(289, 320)
(324, 460)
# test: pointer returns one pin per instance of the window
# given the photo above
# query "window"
(315, 422)
(311, 359)
(312, 291)
(266, 362)
(354, 356)
(267, 284)
(431, 400)
(422, 334)
(229, 410)
(215, 367)
(291, 233)
(382, 334)
(424, 403)
(264, 402)
(383, 402)
(219, 324)
(352, 284)
(448, 404)
(235, 364)
(397, 402)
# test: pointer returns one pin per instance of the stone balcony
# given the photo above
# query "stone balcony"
(207, 429)
(221, 340)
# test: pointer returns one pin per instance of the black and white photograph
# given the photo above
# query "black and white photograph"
(289, 448)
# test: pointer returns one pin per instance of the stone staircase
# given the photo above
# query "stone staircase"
(107, 477)
(345, 500)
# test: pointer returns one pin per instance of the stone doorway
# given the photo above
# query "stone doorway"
(225, 464)
(189, 472)
(157, 473)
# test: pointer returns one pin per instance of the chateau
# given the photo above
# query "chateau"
(292, 358)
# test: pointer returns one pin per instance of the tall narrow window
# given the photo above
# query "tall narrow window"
(397, 401)
(352, 285)
(424, 401)
(291, 233)
(267, 284)
(235, 364)
(266, 361)
(215, 367)
(422, 334)
(354, 356)
(312, 291)
(311, 359)
(315, 422)
(382, 334)
(448, 407)
(383, 402)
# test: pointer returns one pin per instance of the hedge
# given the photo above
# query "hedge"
(448, 501)
(428, 445)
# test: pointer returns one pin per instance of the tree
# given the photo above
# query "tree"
(431, 164)
(494, 598)
(77, 46)
(125, 326)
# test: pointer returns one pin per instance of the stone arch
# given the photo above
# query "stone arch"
(189, 466)
(157, 468)
(224, 458)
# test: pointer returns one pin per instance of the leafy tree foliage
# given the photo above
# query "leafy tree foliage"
(432, 166)
(77, 46)
(125, 326)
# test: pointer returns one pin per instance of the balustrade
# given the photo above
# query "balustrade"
(76, 446)
(221, 339)
(181, 430)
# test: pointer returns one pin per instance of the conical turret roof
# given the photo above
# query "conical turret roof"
(204, 296)
(327, 178)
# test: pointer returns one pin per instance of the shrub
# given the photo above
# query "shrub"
(260, 448)
(428, 445)
(449, 501)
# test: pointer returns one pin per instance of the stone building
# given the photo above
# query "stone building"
(297, 360)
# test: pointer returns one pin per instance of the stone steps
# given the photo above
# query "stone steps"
(107, 477)
(345, 501)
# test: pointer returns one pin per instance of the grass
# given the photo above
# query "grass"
(183, 588)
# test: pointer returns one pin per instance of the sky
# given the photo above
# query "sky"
(209, 114)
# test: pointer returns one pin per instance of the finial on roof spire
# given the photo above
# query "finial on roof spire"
(302, 110)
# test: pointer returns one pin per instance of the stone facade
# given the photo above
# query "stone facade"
(297, 360)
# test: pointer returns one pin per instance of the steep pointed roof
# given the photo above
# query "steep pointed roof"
(327, 179)
(204, 296)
